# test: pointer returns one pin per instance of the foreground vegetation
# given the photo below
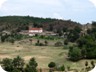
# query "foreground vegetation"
(18, 65)
(73, 48)
(43, 54)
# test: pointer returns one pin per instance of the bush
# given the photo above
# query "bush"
(66, 42)
(93, 64)
(16, 70)
(51, 65)
(39, 44)
(7, 64)
(75, 54)
(61, 68)
(57, 44)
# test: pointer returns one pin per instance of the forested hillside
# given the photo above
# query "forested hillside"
(18, 23)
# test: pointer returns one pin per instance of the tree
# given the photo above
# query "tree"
(77, 29)
(38, 41)
(12, 40)
(83, 52)
(94, 24)
(65, 29)
(50, 27)
(73, 35)
(35, 24)
(39, 44)
(51, 65)
(59, 31)
(93, 64)
(31, 66)
(62, 68)
(66, 42)
(86, 63)
(7, 64)
(16, 70)
(18, 63)
(74, 54)
(46, 43)
(3, 38)
(81, 42)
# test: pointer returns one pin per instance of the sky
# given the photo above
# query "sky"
(82, 11)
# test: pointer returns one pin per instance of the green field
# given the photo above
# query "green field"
(42, 54)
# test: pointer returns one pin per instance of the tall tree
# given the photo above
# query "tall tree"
(18, 63)
(7, 64)
(31, 66)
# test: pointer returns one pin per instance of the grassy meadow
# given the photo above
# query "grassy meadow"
(43, 54)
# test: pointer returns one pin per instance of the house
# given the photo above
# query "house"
(34, 31)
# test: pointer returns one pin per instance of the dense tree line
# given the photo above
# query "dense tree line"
(18, 23)
(18, 65)
(12, 37)
(86, 46)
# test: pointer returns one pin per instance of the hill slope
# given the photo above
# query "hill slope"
(17, 23)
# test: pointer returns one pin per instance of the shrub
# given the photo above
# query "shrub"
(61, 68)
(66, 42)
(57, 44)
(39, 44)
(75, 54)
(51, 65)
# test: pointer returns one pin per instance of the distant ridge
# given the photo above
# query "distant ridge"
(17, 23)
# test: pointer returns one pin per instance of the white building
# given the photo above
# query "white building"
(34, 31)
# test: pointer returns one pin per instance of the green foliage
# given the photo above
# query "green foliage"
(46, 43)
(39, 43)
(47, 37)
(3, 39)
(93, 24)
(87, 44)
(31, 66)
(33, 62)
(51, 65)
(81, 42)
(7, 64)
(73, 35)
(11, 37)
(18, 63)
(59, 31)
(65, 29)
(18, 23)
(66, 42)
(77, 29)
(61, 68)
(86, 63)
(93, 64)
(11, 40)
(57, 44)
(74, 54)
(15, 70)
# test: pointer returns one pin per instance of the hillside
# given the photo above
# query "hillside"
(18, 23)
